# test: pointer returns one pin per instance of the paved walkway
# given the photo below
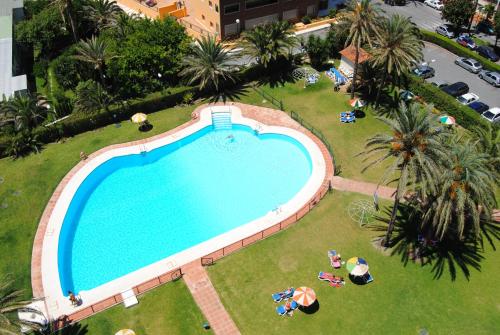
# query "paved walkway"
(344, 184)
(208, 300)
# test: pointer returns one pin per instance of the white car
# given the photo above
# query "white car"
(492, 115)
(467, 98)
(436, 4)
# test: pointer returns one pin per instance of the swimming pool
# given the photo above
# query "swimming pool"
(136, 211)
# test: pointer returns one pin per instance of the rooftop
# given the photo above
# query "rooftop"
(350, 54)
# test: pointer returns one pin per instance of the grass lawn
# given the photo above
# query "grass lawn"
(320, 106)
(169, 309)
(401, 300)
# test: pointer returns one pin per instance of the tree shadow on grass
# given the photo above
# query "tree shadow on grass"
(277, 74)
(230, 93)
(452, 255)
(73, 329)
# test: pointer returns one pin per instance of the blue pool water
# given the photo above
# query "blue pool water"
(138, 209)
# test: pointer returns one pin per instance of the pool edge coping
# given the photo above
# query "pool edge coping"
(267, 116)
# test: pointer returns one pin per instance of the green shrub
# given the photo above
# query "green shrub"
(332, 13)
(69, 71)
(446, 104)
(306, 19)
(457, 49)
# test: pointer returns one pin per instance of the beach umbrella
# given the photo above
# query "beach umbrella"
(125, 332)
(139, 118)
(304, 296)
(445, 119)
(357, 266)
(406, 95)
(357, 103)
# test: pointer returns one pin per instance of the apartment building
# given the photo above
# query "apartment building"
(229, 17)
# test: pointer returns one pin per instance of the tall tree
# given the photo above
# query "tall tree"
(95, 52)
(362, 17)
(464, 193)
(268, 42)
(209, 65)
(91, 97)
(103, 13)
(414, 149)
(397, 47)
(497, 26)
(65, 8)
(25, 112)
(10, 302)
(458, 12)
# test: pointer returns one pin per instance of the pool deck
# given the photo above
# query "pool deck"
(44, 283)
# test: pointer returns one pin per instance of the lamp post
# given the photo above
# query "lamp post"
(237, 26)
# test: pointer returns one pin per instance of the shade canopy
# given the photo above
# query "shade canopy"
(357, 103)
(446, 119)
(304, 296)
(139, 118)
(357, 266)
(125, 332)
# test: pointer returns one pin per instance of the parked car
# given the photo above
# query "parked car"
(485, 27)
(467, 98)
(466, 41)
(436, 4)
(446, 30)
(424, 71)
(469, 64)
(456, 89)
(491, 77)
(492, 114)
(487, 52)
(440, 83)
(479, 106)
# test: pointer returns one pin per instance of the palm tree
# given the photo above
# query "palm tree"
(24, 111)
(487, 140)
(122, 24)
(66, 10)
(11, 302)
(269, 42)
(397, 47)
(465, 192)
(92, 97)
(103, 13)
(94, 51)
(362, 17)
(414, 149)
(209, 65)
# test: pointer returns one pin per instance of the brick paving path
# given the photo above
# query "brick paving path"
(208, 300)
(344, 184)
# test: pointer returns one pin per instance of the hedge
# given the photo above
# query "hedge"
(79, 122)
(446, 104)
(457, 49)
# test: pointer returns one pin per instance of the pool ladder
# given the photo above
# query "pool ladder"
(221, 120)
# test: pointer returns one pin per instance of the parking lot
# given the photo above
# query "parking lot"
(443, 63)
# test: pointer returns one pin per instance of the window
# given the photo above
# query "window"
(211, 24)
(249, 4)
(216, 8)
(210, 3)
(231, 8)
(203, 16)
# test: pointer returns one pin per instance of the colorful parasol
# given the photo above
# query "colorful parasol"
(139, 118)
(357, 266)
(357, 103)
(125, 332)
(445, 119)
(304, 296)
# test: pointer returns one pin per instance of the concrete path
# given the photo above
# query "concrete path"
(208, 300)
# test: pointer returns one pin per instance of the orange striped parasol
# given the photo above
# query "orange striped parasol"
(304, 296)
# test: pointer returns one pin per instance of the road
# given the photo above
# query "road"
(423, 16)
(443, 62)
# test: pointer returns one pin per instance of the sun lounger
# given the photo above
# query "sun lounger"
(334, 259)
(281, 310)
(368, 278)
(334, 281)
(129, 298)
(286, 294)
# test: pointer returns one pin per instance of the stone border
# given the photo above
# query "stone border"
(266, 116)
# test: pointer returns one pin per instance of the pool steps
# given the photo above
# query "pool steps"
(222, 120)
